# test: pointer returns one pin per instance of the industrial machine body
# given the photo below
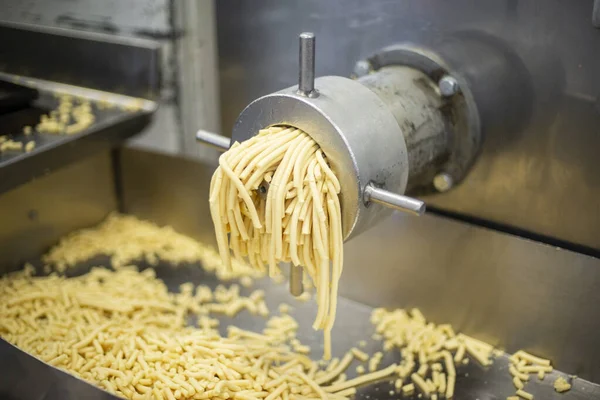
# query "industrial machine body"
(487, 112)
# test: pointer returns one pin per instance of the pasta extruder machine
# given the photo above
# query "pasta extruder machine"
(485, 113)
(411, 120)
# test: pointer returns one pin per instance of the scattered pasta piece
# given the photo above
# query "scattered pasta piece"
(421, 384)
(408, 389)
(561, 385)
(541, 375)
(374, 361)
(361, 380)
(10, 145)
(359, 354)
(73, 115)
(284, 308)
(522, 355)
(525, 395)
(246, 281)
(518, 383)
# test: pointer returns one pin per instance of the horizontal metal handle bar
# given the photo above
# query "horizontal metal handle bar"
(212, 139)
(393, 200)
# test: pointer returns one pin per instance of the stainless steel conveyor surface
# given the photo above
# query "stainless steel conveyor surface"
(24, 377)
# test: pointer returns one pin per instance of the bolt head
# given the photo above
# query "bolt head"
(443, 182)
(362, 68)
(448, 86)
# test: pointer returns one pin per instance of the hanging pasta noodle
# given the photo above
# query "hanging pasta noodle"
(297, 221)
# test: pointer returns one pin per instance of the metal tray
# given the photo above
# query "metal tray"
(24, 377)
(113, 123)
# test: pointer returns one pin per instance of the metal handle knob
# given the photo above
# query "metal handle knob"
(393, 200)
(214, 140)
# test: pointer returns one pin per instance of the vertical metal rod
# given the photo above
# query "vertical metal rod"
(296, 287)
(306, 74)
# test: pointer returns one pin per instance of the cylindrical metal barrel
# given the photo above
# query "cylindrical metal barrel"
(413, 98)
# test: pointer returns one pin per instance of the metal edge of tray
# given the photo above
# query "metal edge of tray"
(25, 377)
(22, 168)
(114, 123)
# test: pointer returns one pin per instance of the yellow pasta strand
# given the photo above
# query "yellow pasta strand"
(297, 220)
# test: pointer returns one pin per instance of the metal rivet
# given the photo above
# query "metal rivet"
(443, 182)
(448, 86)
(362, 68)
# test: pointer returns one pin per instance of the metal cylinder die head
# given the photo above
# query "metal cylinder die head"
(357, 132)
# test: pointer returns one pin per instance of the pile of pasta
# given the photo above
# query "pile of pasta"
(297, 220)
(430, 353)
(127, 239)
(123, 331)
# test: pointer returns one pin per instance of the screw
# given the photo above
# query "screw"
(448, 86)
(443, 182)
(362, 68)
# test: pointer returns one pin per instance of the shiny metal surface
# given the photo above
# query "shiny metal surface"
(171, 191)
(359, 135)
(393, 200)
(352, 325)
(413, 99)
(34, 216)
(213, 140)
(537, 173)
(512, 292)
(124, 65)
(306, 73)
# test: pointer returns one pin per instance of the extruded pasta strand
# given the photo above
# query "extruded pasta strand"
(298, 220)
